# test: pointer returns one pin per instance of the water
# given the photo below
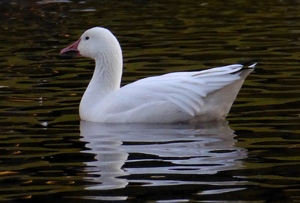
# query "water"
(47, 154)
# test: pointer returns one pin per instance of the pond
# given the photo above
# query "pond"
(47, 154)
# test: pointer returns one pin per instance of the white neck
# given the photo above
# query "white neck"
(106, 79)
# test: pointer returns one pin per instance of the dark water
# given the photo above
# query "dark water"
(46, 154)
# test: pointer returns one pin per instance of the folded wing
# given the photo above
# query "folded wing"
(182, 91)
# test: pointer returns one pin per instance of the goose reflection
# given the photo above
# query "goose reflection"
(157, 150)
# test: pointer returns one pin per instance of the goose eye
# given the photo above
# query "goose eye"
(86, 38)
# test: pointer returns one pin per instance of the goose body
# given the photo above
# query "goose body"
(171, 98)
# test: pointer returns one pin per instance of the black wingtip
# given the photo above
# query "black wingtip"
(249, 63)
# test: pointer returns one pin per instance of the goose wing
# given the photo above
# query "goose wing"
(182, 90)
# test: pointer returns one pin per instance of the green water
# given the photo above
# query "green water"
(47, 155)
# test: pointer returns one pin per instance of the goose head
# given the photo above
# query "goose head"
(94, 43)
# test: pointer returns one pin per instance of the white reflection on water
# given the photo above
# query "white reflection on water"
(206, 148)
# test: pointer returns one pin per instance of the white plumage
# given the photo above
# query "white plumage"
(175, 97)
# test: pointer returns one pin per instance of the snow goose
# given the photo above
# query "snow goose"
(178, 97)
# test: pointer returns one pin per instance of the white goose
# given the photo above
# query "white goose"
(171, 98)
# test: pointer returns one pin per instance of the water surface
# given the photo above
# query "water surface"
(47, 154)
